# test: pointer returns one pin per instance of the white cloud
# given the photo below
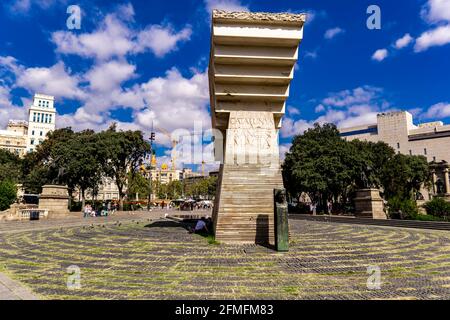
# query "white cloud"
(107, 76)
(25, 6)
(436, 11)
(380, 55)
(346, 108)
(331, 33)
(403, 41)
(115, 37)
(175, 102)
(311, 14)
(227, 5)
(319, 108)
(161, 40)
(54, 81)
(415, 111)
(436, 37)
(359, 120)
(290, 127)
(293, 110)
(112, 39)
(346, 98)
(439, 110)
(311, 54)
(332, 116)
(8, 111)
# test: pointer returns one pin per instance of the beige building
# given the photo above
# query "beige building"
(21, 137)
(107, 190)
(165, 175)
(398, 130)
(14, 138)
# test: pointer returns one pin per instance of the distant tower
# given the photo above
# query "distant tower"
(41, 120)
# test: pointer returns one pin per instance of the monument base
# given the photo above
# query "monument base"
(244, 206)
(369, 204)
(55, 199)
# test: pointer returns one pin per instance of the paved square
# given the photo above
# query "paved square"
(160, 260)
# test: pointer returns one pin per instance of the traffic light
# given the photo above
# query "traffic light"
(152, 136)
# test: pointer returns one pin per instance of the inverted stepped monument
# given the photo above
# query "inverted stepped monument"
(252, 62)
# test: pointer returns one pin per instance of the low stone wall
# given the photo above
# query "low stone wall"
(19, 212)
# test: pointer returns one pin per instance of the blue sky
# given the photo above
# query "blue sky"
(138, 61)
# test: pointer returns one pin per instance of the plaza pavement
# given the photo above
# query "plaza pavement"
(155, 258)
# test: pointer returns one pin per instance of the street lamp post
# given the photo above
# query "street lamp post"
(152, 138)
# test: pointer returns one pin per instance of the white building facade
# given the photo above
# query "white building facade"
(41, 120)
(431, 140)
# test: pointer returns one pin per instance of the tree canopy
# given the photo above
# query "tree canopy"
(330, 169)
(82, 159)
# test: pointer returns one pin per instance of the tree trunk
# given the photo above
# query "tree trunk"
(70, 198)
(120, 201)
(83, 200)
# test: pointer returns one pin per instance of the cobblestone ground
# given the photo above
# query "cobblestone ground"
(160, 260)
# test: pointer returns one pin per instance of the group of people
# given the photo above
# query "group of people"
(104, 211)
(191, 205)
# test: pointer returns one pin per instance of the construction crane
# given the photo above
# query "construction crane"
(174, 145)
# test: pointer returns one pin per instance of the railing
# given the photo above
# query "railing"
(26, 213)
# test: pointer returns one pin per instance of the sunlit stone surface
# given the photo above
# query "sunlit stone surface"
(253, 56)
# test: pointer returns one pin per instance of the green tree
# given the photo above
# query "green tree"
(83, 162)
(10, 166)
(8, 194)
(137, 184)
(438, 207)
(371, 160)
(404, 175)
(35, 179)
(162, 191)
(321, 164)
(123, 150)
(174, 189)
(212, 186)
(73, 157)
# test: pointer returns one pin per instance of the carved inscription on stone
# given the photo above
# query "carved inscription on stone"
(251, 120)
(251, 138)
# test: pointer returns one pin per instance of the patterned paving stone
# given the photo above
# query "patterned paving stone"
(160, 260)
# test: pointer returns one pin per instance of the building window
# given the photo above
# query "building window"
(8, 142)
(434, 159)
(425, 151)
(398, 145)
(46, 118)
(40, 133)
(32, 141)
(49, 118)
(32, 133)
(34, 116)
(38, 117)
(410, 152)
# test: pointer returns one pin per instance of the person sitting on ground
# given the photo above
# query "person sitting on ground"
(200, 227)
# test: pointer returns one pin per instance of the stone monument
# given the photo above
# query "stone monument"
(252, 62)
(369, 204)
(55, 199)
